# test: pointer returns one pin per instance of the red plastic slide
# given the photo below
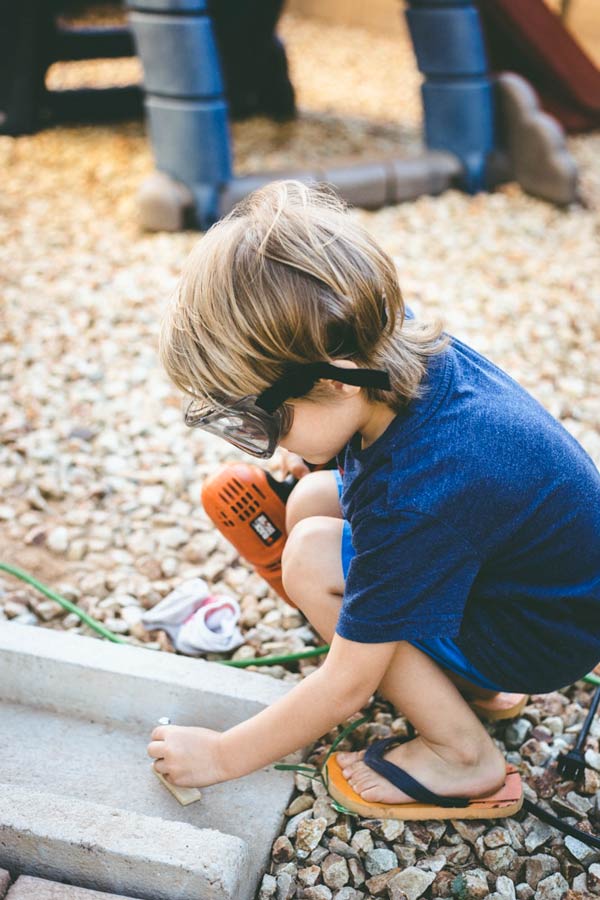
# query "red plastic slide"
(525, 36)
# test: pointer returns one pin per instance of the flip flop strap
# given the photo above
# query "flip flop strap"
(401, 779)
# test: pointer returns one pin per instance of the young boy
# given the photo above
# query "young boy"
(465, 544)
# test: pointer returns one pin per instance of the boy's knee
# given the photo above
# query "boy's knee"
(315, 494)
(301, 501)
(298, 546)
(307, 552)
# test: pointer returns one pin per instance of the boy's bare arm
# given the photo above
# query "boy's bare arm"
(343, 684)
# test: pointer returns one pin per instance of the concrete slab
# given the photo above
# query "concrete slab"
(28, 888)
(79, 800)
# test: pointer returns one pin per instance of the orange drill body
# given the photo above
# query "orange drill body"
(247, 505)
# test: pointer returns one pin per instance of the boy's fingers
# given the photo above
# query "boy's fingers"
(291, 464)
(299, 469)
(160, 766)
(156, 749)
(159, 733)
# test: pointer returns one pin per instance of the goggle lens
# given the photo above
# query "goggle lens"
(243, 424)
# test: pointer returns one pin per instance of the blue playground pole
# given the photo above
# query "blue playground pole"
(458, 94)
(184, 97)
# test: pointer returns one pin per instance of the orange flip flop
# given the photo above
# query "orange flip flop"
(500, 706)
(427, 805)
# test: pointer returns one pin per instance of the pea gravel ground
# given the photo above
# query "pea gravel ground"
(100, 481)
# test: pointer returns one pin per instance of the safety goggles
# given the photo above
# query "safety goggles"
(257, 423)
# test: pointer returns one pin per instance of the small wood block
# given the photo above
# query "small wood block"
(185, 795)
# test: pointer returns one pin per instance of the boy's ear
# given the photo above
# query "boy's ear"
(342, 389)
(345, 390)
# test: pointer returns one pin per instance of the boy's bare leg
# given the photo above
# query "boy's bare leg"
(314, 495)
(453, 754)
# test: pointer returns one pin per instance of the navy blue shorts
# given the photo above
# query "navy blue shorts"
(443, 650)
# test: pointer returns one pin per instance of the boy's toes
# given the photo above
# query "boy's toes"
(348, 759)
(371, 793)
(350, 763)
(361, 777)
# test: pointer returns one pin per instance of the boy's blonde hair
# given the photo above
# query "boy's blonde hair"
(288, 277)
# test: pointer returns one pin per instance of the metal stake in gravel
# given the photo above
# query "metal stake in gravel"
(572, 764)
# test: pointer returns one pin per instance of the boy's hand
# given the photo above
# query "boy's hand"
(290, 464)
(187, 756)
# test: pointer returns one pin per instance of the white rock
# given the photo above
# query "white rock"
(554, 887)
(433, 863)
(169, 566)
(362, 841)
(173, 537)
(26, 618)
(292, 826)
(413, 881)
(555, 724)
(382, 860)
(152, 494)
(58, 539)
(94, 584)
(13, 608)
(78, 517)
(35, 498)
(119, 626)
(49, 609)
(268, 888)
(506, 887)
(582, 853)
(592, 759)
(580, 883)
(77, 550)
(132, 615)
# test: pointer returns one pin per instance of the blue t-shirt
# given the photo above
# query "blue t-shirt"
(476, 516)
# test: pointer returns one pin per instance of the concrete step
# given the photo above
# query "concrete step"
(29, 888)
(79, 801)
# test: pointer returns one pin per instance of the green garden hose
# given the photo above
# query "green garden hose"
(275, 660)
(93, 623)
(237, 663)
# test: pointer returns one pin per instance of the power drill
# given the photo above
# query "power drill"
(247, 505)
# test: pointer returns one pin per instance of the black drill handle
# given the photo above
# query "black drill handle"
(284, 488)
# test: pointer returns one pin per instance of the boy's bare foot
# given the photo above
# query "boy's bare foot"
(489, 705)
(442, 776)
(499, 706)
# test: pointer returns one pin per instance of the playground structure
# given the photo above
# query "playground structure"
(35, 35)
(481, 129)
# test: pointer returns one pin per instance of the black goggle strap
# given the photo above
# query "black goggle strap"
(300, 379)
